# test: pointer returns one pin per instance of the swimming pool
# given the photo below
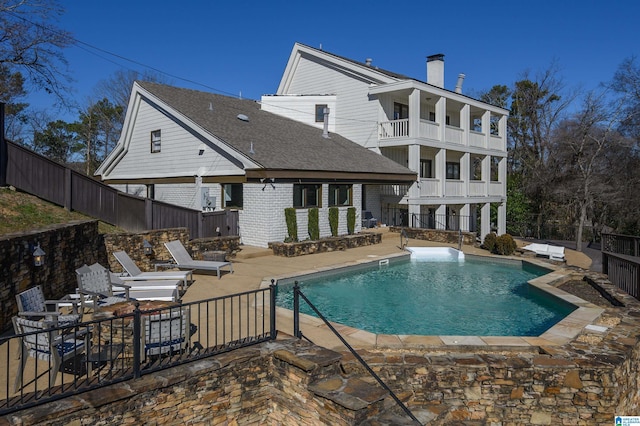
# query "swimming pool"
(410, 297)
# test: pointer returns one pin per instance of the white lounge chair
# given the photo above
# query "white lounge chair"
(135, 274)
(552, 252)
(185, 261)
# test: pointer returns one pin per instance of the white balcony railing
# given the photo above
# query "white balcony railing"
(477, 188)
(496, 142)
(454, 188)
(429, 129)
(476, 139)
(429, 187)
(394, 129)
(453, 135)
(394, 190)
(497, 188)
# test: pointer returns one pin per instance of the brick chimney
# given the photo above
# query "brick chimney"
(435, 70)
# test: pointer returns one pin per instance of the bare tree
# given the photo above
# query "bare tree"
(31, 44)
(582, 148)
(537, 106)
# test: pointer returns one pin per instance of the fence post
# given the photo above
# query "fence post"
(68, 197)
(148, 213)
(296, 310)
(272, 310)
(4, 152)
(137, 335)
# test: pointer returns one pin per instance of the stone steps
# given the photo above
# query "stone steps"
(362, 397)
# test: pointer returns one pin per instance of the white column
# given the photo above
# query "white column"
(414, 189)
(486, 127)
(465, 172)
(441, 170)
(465, 213)
(502, 218)
(465, 123)
(485, 220)
(502, 175)
(441, 117)
(441, 220)
(414, 114)
(486, 174)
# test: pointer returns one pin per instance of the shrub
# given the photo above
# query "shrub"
(505, 245)
(489, 242)
(314, 225)
(292, 224)
(333, 220)
(351, 220)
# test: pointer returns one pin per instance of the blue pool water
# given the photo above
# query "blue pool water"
(469, 298)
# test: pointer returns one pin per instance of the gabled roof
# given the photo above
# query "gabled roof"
(272, 141)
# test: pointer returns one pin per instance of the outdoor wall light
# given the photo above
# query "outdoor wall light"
(38, 256)
(148, 248)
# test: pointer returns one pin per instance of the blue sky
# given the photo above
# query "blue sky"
(235, 47)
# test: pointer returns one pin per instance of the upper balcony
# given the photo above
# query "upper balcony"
(430, 130)
(412, 115)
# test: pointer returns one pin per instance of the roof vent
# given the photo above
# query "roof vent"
(243, 117)
(368, 61)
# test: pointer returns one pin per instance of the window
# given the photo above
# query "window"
(425, 168)
(340, 195)
(453, 170)
(307, 195)
(155, 141)
(432, 116)
(400, 111)
(232, 195)
(320, 113)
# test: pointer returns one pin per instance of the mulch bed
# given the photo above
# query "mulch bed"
(585, 291)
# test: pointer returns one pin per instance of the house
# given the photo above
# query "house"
(207, 151)
(455, 144)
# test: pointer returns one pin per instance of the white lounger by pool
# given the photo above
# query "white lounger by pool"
(552, 252)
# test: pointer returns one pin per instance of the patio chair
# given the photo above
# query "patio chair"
(368, 221)
(95, 282)
(166, 332)
(136, 274)
(33, 305)
(41, 341)
(184, 261)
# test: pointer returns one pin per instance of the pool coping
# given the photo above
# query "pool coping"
(559, 334)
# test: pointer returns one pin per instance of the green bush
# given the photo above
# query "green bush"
(505, 245)
(314, 224)
(333, 220)
(489, 242)
(351, 220)
(292, 224)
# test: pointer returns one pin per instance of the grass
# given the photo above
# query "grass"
(21, 212)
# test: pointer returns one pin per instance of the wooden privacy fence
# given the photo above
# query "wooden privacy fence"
(46, 179)
(621, 262)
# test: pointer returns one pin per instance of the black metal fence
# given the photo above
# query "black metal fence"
(126, 345)
(51, 181)
(621, 262)
(448, 222)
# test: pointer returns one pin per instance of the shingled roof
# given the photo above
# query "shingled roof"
(272, 141)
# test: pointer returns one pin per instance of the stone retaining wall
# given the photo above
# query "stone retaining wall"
(249, 386)
(67, 247)
(344, 242)
(436, 235)
(133, 245)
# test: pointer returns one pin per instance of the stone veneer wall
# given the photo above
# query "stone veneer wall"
(67, 247)
(252, 386)
(132, 244)
(436, 235)
(302, 248)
